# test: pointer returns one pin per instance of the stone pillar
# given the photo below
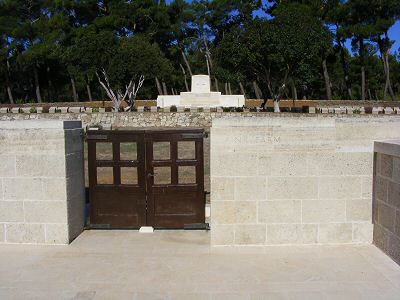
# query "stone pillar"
(386, 198)
(42, 190)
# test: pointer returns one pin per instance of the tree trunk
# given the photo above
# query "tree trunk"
(276, 106)
(9, 91)
(362, 83)
(49, 83)
(159, 89)
(216, 84)
(186, 62)
(229, 88)
(226, 88)
(369, 94)
(165, 91)
(37, 86)
(389, 85)
(74, 93)
(294, 91)
(327, 80)
(242, 89)
(385, 50)
(256, 90)
(89, 91)
(361, 52)
(184, 76)
(345, 68)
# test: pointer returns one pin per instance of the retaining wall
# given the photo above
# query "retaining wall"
(386, 202)
(41, 182)
(294, 179)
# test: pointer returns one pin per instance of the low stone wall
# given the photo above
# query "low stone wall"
(294, 179)
(41, 182)
(386, 200)
(156, 119)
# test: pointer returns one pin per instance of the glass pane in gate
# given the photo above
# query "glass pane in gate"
(161, 150)
(105, 175)
(128, 151)
(104, 151)
(187, 150)
(129, 175)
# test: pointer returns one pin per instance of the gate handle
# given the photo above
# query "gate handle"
(151, 174)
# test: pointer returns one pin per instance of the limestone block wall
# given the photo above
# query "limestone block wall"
(41, 181)
(294, 179)
(386, 199)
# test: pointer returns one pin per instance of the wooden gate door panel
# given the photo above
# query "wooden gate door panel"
(119, 201)
(153, 178)
(177, 201)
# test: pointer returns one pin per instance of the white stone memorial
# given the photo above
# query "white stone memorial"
(201, 96)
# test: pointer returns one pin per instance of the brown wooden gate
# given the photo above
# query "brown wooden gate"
(146, 178)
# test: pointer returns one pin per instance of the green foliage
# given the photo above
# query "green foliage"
(45, 46)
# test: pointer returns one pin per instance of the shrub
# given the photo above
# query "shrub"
(187, 110)
(95, 109)
(46, 109)
(173, 108)
(33, 110)
(57, 110)
(239, 109)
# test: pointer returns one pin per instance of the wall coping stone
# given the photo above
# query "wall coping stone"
(389, 147)
(40, 124)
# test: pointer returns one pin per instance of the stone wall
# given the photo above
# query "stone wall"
(294, 179)
(41, 182)
(386, 200)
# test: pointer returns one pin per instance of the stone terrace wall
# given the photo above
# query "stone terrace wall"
(294, 179)
(41, 182)
(386, 202)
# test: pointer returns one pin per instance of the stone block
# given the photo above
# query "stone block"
(396, 169)
(25, 233)
(367, 187)
(73, 140)
(75, 109)
(3, 110)
(206, 109)
(74, 164)
(38, 165)
(358, 210)
(233, 164)
(250, 188)
(223, 212)
(288, 164)
(339, 163)
(292, 234)
(45, 211)
(335, 233)
(394, 248)
(385, 216)
(7, 166)
(324, 110)
(264, 165)
(381, 237)
(56, 234)
(394, 194)
(54, 189)
(39, 109)
(345, 187)
(222, 188)
(389, 111)
(64, 110)
(15, 110)
(279, 211)
(180, 109)
(311, 110)
(280, 188)
(153, 109)
(397, 223)
(385, 165)
(11, 211)
(140, 109)
(250, 234)
(246, 212)
(362, 232)
(323, 211)
(381, 188)
(222, 235)
(2, 233)
(22, 189)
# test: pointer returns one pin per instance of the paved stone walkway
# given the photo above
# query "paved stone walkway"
(181, 265)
